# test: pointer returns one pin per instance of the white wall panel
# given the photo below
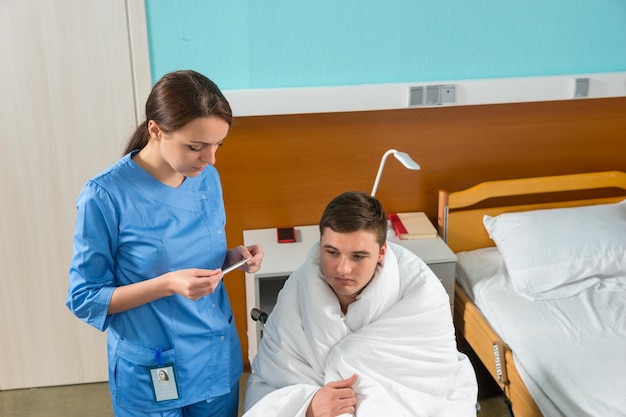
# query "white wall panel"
(365, 97)
(66, 109)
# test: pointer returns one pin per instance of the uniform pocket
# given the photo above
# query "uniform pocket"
(133, 385)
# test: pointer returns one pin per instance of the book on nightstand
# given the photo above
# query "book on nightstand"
(412, 225)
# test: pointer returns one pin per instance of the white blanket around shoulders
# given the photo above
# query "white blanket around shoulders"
(397, 337)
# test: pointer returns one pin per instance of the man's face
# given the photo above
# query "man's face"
(349, 261)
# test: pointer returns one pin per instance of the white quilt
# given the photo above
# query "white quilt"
(397, 337)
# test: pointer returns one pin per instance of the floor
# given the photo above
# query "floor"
(93, 400)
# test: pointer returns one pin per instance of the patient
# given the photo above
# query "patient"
(362, 327)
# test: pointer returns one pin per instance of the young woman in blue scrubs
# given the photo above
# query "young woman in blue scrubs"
(149, 248)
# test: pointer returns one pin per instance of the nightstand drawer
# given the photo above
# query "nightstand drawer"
(445, 273)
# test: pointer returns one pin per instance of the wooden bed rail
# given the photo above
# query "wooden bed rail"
(471, 325)
(467, 227)
(467, 319)
(557, 183)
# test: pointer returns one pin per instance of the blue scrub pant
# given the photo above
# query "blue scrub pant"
(224, 406)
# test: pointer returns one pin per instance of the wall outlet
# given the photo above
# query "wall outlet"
(416, 96)
(448, 94)
(432, 95)
(582, 87)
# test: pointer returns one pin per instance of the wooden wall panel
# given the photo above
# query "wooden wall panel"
(283, 170)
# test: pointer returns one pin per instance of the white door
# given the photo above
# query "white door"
(69, 84)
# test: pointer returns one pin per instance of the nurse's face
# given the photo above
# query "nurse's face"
(191, 148)
(349, 261)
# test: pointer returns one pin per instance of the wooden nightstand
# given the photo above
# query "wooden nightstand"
(280, 260)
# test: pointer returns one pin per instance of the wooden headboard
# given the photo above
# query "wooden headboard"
(283, 170)
(462, 227)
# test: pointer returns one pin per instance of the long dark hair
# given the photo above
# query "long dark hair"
(353, 211)
(178, 98)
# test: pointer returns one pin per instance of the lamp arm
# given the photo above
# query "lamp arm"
(380, 170)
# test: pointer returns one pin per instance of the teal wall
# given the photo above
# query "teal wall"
(253, 44)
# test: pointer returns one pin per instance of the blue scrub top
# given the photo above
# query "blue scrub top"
(130, 227)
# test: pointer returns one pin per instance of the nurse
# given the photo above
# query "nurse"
(149, 248)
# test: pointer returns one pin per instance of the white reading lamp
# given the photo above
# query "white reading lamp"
(403, 157)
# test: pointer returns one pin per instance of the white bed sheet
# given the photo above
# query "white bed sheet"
(570, 353)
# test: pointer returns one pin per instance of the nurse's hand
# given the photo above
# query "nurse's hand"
(254, 252)
(194, 283)
(191, 283)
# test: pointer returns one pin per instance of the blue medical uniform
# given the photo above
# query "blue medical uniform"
(130, 227)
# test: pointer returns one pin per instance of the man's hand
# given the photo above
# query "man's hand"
(334, 399)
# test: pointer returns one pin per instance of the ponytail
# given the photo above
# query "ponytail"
(139, 139)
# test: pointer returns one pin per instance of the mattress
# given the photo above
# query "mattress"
(570, 352)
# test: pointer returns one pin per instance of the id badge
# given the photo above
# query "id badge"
(164, 382)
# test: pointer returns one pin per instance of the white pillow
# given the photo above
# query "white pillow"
(557, 253)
